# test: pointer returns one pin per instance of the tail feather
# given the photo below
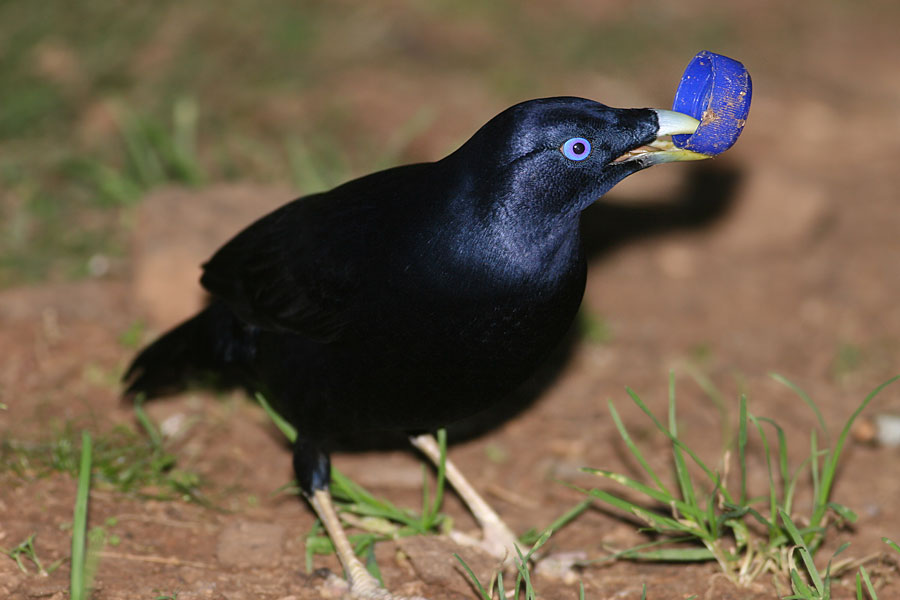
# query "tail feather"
(209, 348)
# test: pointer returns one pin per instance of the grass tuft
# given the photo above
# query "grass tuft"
(25, 550)
(123, 460)
(79, 573)
(745, 536)
(523, 582)
(154, 154)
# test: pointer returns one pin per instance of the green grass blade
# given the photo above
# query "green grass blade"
(651, 550)
(538, 544)
(136, 135)
(742, 448)
(804, 592)
(480, 588)
(773, 499)
(815, 473)
(522, 576)
(289, 431)
(306, 174)
(77, 583)
(692, 511)
(426, 500)
(791, 488)
(805, 555)
(681, 472)
(671, 555)
(568, 516)
(835, 454)
(869, 587)
(843, 512)
(769, 524)
(710, 523)
(532, 535)
(735, 514)
(364, 503)
(641, 550)
(891, 543)
(783, 468)
(183, 156)
(146, 423)
(441, 479)
(805, 397)
(640, 403)
(522, 566)
(632, 447)
(371, 563)
(658, 522)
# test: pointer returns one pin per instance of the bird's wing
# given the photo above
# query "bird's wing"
(296, 269)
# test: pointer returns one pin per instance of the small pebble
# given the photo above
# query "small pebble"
(888, 430)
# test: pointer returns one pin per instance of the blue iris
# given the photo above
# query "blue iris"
(576, 149)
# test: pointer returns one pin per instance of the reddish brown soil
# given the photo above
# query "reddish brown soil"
(772, 258)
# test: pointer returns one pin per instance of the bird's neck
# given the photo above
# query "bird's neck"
(512, 237)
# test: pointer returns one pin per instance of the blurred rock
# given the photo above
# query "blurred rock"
(57, 62)
(176, 230)
(433, 561)
(864, 431)
(888, 430)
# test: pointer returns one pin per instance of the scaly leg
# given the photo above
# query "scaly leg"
(497, 539)
(362, 584)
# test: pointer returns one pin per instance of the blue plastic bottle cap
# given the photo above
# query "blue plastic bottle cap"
(715, 90)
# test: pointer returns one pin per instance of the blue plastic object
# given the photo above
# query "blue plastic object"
(715, 90)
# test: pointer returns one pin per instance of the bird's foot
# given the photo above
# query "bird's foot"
(360, 583)
(497, 539)
(362, 586)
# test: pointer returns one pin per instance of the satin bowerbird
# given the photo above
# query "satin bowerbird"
(415, 296)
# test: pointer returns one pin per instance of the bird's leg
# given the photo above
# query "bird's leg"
(497, 538)
(313, 467)
(362, 584)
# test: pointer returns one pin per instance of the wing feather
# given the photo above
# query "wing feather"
(295, 270)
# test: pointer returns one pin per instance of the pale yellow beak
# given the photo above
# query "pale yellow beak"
(662, 150)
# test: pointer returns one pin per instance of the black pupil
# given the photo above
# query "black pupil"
(578, 148)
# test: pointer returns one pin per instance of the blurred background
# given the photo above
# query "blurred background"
(101, 101)
(136, 137)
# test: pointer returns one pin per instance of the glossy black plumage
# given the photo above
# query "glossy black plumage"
(412, 297)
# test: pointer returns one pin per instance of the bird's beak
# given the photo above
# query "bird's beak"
(662, 150)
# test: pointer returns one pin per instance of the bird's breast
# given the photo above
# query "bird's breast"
(469, 340)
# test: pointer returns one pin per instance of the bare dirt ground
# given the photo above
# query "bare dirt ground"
(780, 256)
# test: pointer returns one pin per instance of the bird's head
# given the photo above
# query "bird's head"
(559, 155)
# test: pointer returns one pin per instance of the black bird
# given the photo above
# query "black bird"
(414, 296)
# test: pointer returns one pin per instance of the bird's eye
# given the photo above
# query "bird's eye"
(576, 149)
